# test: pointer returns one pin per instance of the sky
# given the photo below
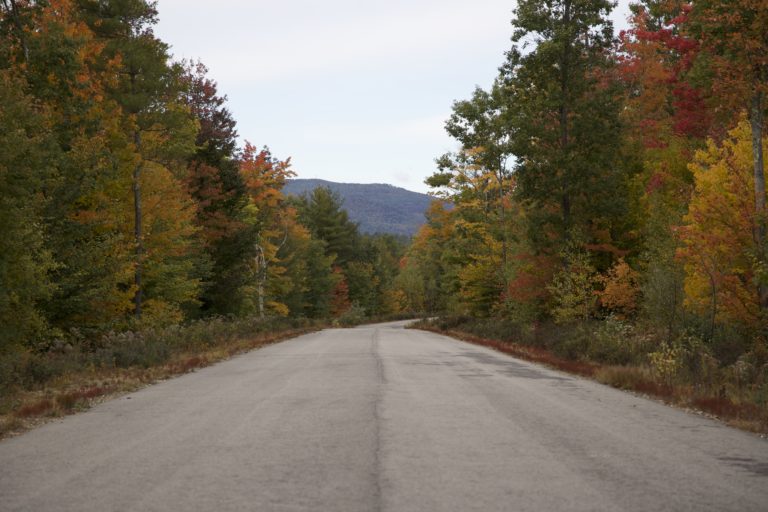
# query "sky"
(353, 91)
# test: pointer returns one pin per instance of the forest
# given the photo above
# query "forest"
(132, 219)
(607, 204)
(609, 201)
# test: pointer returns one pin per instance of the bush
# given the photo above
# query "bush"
(355, 315)
(126, 349)
(666, 362)
(613, 342)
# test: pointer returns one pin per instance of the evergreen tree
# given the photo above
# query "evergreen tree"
(215, 182)
(162, 132)
(322, 213)
(563, 117)
(27, 152)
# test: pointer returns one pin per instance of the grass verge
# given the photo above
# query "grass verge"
(636, 378)
(38, 387)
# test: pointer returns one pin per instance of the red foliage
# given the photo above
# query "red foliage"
(531, 278)
(655, 182)
(35, 409)
(340, 299)
(657, 63)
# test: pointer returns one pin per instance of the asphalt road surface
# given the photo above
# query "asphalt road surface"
(381, 418)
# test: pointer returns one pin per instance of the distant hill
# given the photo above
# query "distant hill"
(377, 208)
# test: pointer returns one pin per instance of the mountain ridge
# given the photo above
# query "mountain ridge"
(375, 207)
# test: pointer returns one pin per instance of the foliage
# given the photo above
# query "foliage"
(563, 115)
(720, 250)
(620, 289)
(25, 170)
(126, 202)
(573, 288)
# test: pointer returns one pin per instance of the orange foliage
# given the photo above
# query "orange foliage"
(264, 176)
(620, 289)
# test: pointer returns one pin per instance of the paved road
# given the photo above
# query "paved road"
(383, 419)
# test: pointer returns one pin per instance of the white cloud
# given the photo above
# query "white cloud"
(258, 41)
(406, 131)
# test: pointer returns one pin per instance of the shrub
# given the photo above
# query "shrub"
(613, 342)
(354, 315)
(620, 289)
(573, 289)
(667, 362)
(123, 350)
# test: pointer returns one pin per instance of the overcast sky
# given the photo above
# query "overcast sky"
(352, 90)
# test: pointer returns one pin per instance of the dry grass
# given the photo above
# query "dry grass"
(37, 408)
(726, 408)
(633, 378)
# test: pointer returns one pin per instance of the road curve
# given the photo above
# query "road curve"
(381, 418)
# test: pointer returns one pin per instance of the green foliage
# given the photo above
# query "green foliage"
(353, 316)
(322, 214)
(564, 118)
(25, 170)
(615, 341)
(573, 288)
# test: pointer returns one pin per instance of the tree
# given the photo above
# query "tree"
(428, 277)
(322, 213)
(734, 36)
(479, 170)
(573, 288)
(216, 185)
(27, 152)
(720, 250)
(620, 289)
(147, 88)
(667, 114)
(562, 108)
(60, 62)
(307, 284)
(264, 177)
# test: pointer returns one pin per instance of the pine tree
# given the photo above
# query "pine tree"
(562, 109)
(27, 151)
(148, 90)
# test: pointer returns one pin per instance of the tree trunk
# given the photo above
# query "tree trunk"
(261, 276)
(756, 119)
(13, 8)
(260, 292)
(137, 218)
(564, 109)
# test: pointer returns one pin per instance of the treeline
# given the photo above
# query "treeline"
(613, 184)
(126, 203)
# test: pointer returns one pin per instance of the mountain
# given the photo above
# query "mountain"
(377, 208)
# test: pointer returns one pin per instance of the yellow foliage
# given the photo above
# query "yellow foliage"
(719, 247)
(278, 308)
(158, 313)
